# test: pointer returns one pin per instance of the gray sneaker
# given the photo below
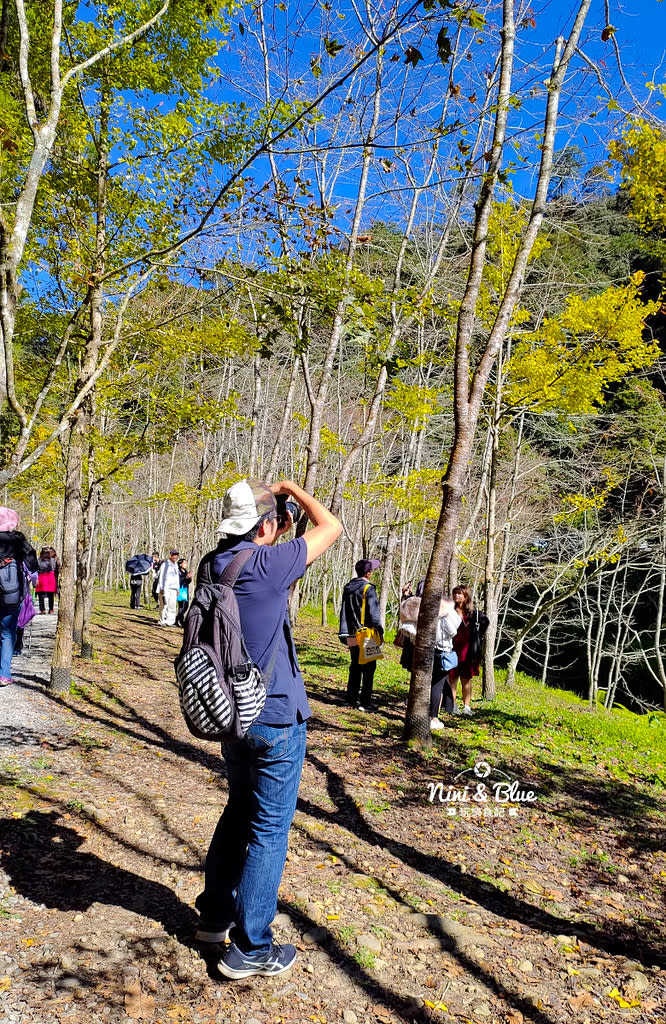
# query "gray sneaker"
(467, 710)
(235, 964)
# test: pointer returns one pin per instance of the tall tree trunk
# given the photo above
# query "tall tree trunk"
(253, 460)
(89, 567)
(490, 586)
(61, 667)
(278, 447)
(470, 385)
(661, 593)
(387, 572)
(317, 397)
(61, 662)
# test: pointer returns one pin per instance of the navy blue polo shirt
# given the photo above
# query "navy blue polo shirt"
(262, 590)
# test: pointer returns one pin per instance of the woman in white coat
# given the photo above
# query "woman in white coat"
(444, 657)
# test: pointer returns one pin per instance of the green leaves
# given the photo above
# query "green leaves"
(332, 46)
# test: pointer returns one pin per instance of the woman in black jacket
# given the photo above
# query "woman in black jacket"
(467, 645)
(185, 578)
(14, 550)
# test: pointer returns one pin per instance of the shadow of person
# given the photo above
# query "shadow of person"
(44, 864)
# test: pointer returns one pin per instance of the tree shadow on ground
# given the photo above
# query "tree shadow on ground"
(118, 715)
(12, 736)
(628, 809)
(611, 936)
(44, 864)
(405, 1006)
(136, 845)
(508, 721)
(103, 986)
(321, 660)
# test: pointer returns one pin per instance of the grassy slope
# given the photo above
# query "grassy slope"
(549, 727)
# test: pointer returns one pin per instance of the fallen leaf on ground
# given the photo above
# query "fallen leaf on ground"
(623, 1003)
(138, 1004)
(580, 1000)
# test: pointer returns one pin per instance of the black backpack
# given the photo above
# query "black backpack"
(10, 581)
(221, 690)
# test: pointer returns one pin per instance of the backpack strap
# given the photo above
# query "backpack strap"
(365, 590)
(233, 570)
(228, 578)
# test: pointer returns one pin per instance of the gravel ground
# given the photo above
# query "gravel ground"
(28, 716)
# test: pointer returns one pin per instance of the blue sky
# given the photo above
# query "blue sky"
(640, 34)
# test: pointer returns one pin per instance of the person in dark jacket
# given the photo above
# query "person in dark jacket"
(14, 551)
(185, 577)
(361, 677)
(467, 645)
(136, 585)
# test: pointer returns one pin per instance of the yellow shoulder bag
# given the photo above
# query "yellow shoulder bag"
(369, 640)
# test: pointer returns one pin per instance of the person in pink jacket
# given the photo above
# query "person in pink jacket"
(47, 584)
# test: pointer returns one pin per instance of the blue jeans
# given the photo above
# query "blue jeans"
(8, 621)
(248, 850)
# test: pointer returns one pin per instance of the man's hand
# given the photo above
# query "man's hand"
(325, 527)
(283, 487)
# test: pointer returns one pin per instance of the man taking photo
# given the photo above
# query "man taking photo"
(248, 850)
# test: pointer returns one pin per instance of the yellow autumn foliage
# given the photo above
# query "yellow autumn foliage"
(641, 152)
(568, 362)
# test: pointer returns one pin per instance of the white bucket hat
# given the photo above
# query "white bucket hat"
(243, 506)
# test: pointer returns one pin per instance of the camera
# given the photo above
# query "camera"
(283, 507)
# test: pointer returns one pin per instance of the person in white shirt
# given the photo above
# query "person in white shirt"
(444, 657)
(168, 585)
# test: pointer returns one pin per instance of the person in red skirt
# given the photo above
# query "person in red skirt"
(467, 645)
(47, 583)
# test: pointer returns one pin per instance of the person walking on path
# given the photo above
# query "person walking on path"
(136, 583)
(185, 577)
(14, 551)
(27, 610)
(247, 854)
(157, 565)
(138, 566)
(47, 583)
(360, 607)
(467, 645)
(168, 586)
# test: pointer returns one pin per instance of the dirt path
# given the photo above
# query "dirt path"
(400, 913)
(28, 715)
